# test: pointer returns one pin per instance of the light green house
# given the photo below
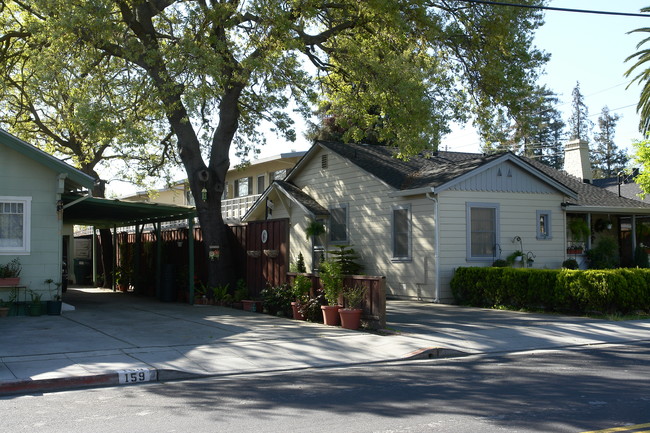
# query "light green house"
(31, 225)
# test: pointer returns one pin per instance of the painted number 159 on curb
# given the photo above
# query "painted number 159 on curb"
(134, 376)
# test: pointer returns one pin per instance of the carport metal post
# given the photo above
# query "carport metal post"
(158, 260)
(114, 256)
(137, 281)
(190, 244)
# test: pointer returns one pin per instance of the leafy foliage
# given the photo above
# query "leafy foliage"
(277, 300)
(616, 290)
(212, 72)
(332, 281)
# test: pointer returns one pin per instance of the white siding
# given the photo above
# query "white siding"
(518, 217)
(370, 215)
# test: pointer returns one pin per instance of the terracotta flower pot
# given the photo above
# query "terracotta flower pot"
(296, 312)
(350, 318)
(250, 305)
(331, 314)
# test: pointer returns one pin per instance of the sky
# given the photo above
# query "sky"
(586, 48)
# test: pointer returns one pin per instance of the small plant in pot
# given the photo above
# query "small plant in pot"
(35, 306)
(4, 308)
(300, 291)
(351, 314)
(10, 273)
(55, 303)
(332, 281)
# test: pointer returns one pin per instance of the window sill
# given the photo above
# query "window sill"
(401, 260)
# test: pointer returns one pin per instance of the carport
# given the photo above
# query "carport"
(102, 213)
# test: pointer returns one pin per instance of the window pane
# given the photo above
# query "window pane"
(400, 233)
(11, 225)
(483, 232)
(242, 187)
(338, 229)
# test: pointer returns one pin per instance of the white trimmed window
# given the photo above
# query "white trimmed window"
(544, 224)
(15, 221)
(402, 232)
(339, 223)
(482, 230)
(243, 187)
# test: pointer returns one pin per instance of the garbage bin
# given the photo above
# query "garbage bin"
(83, 269)
(168, 283)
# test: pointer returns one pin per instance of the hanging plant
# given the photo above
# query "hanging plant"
(314, 229)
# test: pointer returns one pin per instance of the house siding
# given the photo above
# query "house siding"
(370, 204)
(21, 176)
(517, 217)
(504, 177)
(370, 224)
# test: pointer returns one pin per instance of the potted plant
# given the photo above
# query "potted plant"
(579, 234)
(314, 229)
(300, 291)
(4, 308)
(332, 281)
(10, 273)
(55, 303)
(120, 276)
(35, 306)
(351, 314)
(515, 257)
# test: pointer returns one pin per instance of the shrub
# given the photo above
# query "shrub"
(570, 264)
(606, 291)
(277, 300)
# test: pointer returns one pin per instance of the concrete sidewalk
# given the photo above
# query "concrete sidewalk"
(114, 338)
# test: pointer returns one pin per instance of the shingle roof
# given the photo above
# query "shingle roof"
(301, 197)
(588, 194)
(427, 169)
(437, 168)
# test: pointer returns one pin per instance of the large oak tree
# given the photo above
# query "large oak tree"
(215, 69)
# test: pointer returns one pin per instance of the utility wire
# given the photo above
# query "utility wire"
(550, 8)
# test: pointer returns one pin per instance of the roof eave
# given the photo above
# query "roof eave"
(607, 209)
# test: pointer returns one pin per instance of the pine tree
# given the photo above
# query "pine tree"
(579, 124)
(608, 160)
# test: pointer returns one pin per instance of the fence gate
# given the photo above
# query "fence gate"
(267, 253)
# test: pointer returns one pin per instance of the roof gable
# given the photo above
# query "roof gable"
(74, 175)
(437, 170)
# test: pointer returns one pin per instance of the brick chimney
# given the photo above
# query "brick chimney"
(576, 160)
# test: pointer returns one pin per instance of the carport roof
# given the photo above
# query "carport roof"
(107, 213)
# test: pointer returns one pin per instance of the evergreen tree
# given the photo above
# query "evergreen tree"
(579, 124)
(536, 133)
(607, 159)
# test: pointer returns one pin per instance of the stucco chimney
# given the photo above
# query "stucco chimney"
(576, 160)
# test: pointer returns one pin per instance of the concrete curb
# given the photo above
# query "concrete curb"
(145, 375)
(118, 377)
(434, 353)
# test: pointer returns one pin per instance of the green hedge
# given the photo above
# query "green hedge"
(607, 291)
